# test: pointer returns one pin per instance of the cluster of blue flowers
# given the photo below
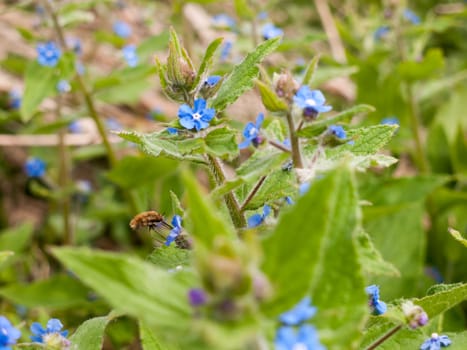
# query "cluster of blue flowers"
(294, 333)
(52, 336)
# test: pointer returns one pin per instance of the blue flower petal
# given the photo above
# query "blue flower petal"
(187, 122)
(185, 111)
(255, 220)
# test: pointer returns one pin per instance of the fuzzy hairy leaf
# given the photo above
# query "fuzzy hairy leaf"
(243, 75)
(90, 334)
(157, 296)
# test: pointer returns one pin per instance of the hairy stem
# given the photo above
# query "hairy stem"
(384, 338)
(231, 202)
(279, 146)
(296, 156)
(252, 193)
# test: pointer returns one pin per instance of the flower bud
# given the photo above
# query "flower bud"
(285, 86)
(414, 314)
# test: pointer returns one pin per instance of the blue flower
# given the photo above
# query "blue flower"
(257, 219)
(381, 32)
(130, 55)
(8, 334)
(177, 229)
(251, 133)
(436, 342)
(269, 31)
(197, 117)
(212, 80)
(310, 101)
(48, 54)
(289, 200)
(306, 338)
(172, 131)
(390, 121)
(14, 99)
(338, 131)
(225, 51)
(112, 124)
(411, 16)
(378, 307)
(223, 20)
(63, 86)
(197, 297)
(34, 167)
(79, 68)
(121, 29)
(49, 335)
(300, 313)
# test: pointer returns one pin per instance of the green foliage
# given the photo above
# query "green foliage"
(242, 77)
(157, 297)
(41, 82)
(57, 292)
(90, 335)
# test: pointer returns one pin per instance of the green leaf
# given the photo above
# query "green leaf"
(324, 74)
(16, 239)
(136, 171)
(430, 66)
(244, 10)
(206, 63)
(242, 77)
(277, 185)
(459, 151)
(310, 71)
(159, 143)
(149, 341)
(443, 298)
(90, 334)
(319, 126)
(153, 44)
(58, 292)
(262, 162)
(131, 285)
(204, 222)
(271, 101)
(371, 259)
(367, 140)
(457, 236)
(221, 143)
(312, 246)
(41, 82)
(4, 255)
(170, 257)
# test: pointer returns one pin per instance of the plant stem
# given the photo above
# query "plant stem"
(296, 156)
(384, 337)
(215, 167)
(63, 179)
(90, 105)
(279, 146)
(252, 193)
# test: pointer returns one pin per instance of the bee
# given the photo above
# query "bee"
(152, 220)
(156, 222)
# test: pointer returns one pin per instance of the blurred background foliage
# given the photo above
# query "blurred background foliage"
(411, 66)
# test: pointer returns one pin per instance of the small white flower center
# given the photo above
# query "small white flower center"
(49, 53)
(253, 131)
(196, 116)
(434, 335)
(310, 102)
